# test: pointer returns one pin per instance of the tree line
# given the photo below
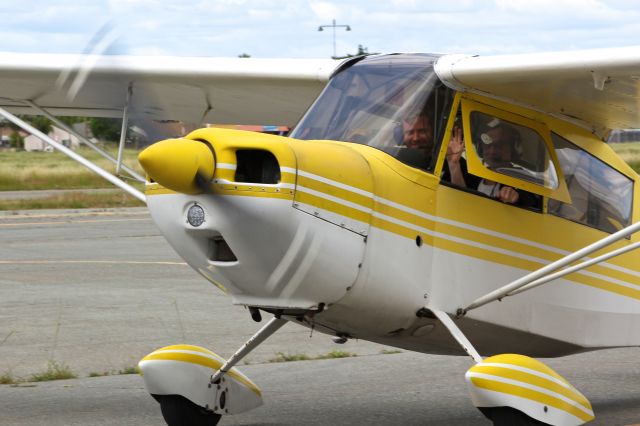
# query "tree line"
(103, 129)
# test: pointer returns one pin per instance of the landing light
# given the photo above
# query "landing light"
(195, 215)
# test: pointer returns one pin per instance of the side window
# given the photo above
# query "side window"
(512, 149)
(601, 196)
(497, 146)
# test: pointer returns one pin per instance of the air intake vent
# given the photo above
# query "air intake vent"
(219, 250)
(257, 166)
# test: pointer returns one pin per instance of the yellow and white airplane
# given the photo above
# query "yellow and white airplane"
(347, 228)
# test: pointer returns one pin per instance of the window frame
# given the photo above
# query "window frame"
(595, 158)
(474, 162)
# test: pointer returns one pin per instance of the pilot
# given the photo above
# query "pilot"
(417, 134)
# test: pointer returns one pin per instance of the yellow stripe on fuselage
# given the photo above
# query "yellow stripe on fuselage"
(334, 191)
(496, 254)
(351, 210)
(261, 191)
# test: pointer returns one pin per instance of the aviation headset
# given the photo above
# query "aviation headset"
(511, 133)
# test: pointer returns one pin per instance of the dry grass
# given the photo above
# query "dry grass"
(131, 369)
(54, 371)
(390, 351)
(282, 357)
(8, 379)
(52, 170)
(74, 201)
(336, 354)
(629, 152)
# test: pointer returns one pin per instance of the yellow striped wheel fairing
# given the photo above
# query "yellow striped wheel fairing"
(199, 356)
(528, 385)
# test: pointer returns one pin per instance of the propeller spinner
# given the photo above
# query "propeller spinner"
(182, 165)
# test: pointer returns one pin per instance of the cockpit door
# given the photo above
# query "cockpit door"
(527, 159)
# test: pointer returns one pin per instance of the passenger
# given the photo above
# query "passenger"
(497, 151)
(498, 144)
(455, 168)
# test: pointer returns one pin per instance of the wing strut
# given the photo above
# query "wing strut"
(543, 275)
(82, 139)
(68, 152)
(575, 268)
(123, 130)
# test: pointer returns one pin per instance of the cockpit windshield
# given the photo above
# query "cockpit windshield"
(394, 103)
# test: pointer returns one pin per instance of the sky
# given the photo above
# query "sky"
(289, 28)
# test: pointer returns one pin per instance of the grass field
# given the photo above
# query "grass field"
(73, 201)
(21, 171)
(25, 171)
(630, 152)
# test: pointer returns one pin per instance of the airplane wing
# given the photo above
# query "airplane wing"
(599, 87)
(192, 89)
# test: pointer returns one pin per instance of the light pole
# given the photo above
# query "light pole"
(334, 26)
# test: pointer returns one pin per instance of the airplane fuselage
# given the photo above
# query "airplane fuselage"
(347, 239)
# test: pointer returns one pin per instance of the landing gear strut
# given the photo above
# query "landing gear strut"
(513, 389)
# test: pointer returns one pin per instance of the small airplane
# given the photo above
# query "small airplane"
(445, 204)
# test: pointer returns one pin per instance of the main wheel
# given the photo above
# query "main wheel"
(179, 411)
(507, 416)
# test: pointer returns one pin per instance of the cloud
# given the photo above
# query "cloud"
(276, 28)
(325, 10)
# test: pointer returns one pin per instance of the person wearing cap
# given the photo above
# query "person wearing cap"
(497, 150)
(498, 145)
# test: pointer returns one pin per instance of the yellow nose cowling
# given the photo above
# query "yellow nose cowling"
(175, 164)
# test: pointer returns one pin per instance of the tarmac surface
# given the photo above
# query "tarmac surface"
(98, 290)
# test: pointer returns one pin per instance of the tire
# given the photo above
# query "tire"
(179, 411)
(507, 416)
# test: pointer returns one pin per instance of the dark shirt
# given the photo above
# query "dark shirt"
(415, 157)
(470, 181)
